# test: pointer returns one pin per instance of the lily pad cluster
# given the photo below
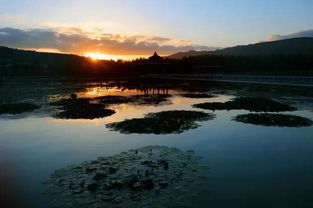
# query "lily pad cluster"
(17, 108)
(81, 108)
(135, 99)
(113, 99)
(164, 122)
(146, 177)
(151, 99)
(268, 119)
(257, 104)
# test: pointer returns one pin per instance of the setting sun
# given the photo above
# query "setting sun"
(97, 56)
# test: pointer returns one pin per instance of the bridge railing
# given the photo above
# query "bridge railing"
(301, 80)
(255, 78)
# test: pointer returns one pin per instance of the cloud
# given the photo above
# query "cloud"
(306, 33)
(75, 40)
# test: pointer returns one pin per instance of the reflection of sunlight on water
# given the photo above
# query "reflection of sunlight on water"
(96, 89)
(40, 145)
(123, 111)
(104, 91)
(129, 111)
(92, 92)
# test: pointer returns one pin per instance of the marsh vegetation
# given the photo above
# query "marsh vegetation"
(92, 108)
(81, 108)
(268, 119)
(146, 177)
(165, 122)
(154, 99)
(257, 104)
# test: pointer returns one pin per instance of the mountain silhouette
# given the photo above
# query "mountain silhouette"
(294, 46)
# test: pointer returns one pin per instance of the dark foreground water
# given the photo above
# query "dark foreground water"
(250, 166)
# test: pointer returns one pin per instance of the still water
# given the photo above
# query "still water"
(250, 166)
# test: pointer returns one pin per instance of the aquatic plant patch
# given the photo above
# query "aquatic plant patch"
(81, 108)
(114, 99)
(93, 111)
(267, 119)
(135, 99)
(257, 104)
(165, 122)
(69, 103)
(151, 99)
(17, 108)
(152, 176)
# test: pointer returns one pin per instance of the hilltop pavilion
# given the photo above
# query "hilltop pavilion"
(155, 58)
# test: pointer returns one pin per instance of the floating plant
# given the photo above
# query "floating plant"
(152, 176)
(134, 99)
(165, 122)
(257, 104)
(267, 119)
(81, 108)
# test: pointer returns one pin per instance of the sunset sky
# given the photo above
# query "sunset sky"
(132, 28)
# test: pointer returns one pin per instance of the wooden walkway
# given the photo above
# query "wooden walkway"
(304, 81)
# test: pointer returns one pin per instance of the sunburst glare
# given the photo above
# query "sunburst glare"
(97, 56)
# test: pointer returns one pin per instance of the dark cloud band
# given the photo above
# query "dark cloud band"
(80, 42)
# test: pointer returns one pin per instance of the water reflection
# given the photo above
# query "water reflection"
(122, 91)
(106, 91)
(251, 166)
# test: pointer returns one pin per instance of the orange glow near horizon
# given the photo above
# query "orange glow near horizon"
(101, 56)
(97, 56)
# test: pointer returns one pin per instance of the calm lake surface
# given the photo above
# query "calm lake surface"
(250, 165)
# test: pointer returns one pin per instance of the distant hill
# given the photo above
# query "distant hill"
(295, 46)
(26, 62)
(28, 55)
(181, 55)
(303, 46)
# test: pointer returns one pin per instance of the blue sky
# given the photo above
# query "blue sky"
(218, 23)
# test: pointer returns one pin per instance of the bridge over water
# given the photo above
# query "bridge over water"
(306, 81)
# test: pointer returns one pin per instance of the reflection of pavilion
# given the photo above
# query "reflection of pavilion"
(155, 91)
